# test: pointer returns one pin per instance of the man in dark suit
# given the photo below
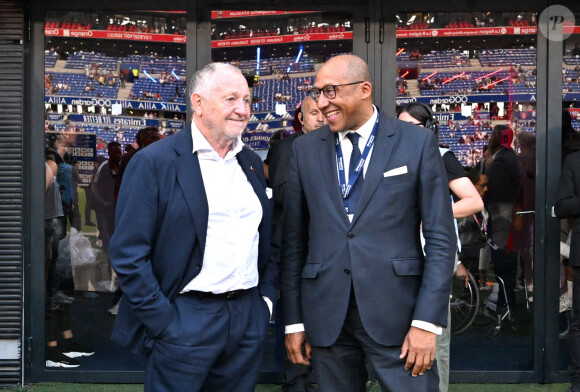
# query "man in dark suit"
(191, 247)
(295, 377)
(355, 281)
(568, 206)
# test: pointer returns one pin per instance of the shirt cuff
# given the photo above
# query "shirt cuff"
(424, 325)
(269, 303)
(293, 328)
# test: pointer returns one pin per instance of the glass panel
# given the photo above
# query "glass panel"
(570, 143)
(107, 76)
(476, 73)
(279, 52)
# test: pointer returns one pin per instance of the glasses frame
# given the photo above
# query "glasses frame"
(329, 90)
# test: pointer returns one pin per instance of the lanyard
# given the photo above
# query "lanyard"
(481, 225)
(344, 187)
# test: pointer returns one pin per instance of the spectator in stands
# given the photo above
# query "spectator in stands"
(504, 174)
(144, 137)
(468, 203)
(523, 225)
(103, 189)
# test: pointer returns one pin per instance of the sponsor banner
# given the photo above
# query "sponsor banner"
(242, 14)
(114, 120)
(278, 39)
(173, 124)
(465, 32)
(575, 113)
(106, 102)
(468, 99)
(444, 118)
(525, 115)
(54, 117)
(106, 34)
(83, 149)
(257, 140)
(481, 115)
(571, 97)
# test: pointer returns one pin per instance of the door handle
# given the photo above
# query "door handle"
(525, 212)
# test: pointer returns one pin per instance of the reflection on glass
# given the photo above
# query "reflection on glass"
(279, 53)
(114, 83)
(476, 71)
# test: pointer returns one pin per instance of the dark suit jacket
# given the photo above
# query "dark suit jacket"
(161, 227)
(279, 158)
(568, 202)
(380, 252)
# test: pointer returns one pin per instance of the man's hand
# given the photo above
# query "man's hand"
(462, 273)
(419, 348)
(294, 343)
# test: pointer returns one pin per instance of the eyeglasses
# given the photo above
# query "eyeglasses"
(328, 91)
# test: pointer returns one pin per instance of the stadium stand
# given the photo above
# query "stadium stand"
(506, 57)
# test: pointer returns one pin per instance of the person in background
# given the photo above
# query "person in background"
(467, 203)
(568, 207)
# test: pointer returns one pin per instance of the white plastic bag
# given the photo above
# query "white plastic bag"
(81, 252)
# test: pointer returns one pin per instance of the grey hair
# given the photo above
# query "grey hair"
(204, 78)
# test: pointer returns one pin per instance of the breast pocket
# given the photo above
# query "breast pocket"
(399, 178)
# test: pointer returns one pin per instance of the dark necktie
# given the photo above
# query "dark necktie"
(354, 158)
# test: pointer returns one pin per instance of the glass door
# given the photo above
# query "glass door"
(475, 73)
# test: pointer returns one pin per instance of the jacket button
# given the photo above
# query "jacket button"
(350, 235)
(347, 271)
(198, 266)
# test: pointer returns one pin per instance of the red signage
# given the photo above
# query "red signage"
(465, 32)
(279, 39)
(123, 35)
(242, 14)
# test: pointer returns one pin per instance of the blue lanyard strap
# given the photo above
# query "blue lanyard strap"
(344, 187)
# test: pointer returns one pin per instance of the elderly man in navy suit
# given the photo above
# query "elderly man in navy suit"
(355, 282)
(191, 247)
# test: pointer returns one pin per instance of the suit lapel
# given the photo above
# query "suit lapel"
(328, 170)
(381, 153)
(190, 180)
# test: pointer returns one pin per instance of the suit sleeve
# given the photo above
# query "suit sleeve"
(136, 222)
(440, 238)
(268, 268)
(294, 242)
(568, 202)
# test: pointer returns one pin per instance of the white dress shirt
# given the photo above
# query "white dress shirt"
(365, 132)
(231, 248)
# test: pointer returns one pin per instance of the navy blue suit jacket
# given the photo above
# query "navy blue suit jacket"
(379, 253)
(159, 240)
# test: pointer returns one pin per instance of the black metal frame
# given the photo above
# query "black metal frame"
(378, 17)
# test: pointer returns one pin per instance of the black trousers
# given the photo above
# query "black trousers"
(342, 366)
(574, 335)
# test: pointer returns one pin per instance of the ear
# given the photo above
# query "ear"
(196, 103)
(366, 90)
(301, 118)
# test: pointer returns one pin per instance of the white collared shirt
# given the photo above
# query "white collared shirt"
(346, 146)
(230, 260)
